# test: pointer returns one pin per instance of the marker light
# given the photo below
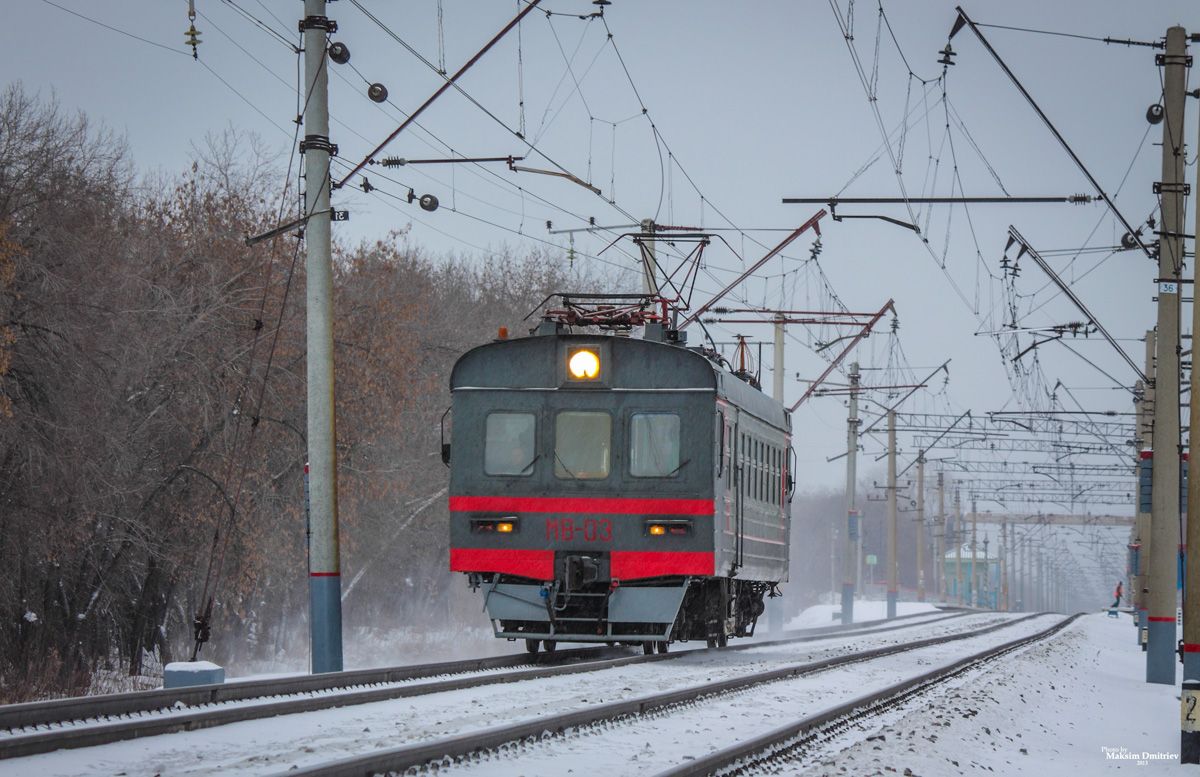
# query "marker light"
(584, 364)
(486, 526)
(669, 527)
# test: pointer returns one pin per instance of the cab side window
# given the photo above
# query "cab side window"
(509, 447)
(654, 445)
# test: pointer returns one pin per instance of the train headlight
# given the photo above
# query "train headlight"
(584, 364)
(658, 529)
(504, 527)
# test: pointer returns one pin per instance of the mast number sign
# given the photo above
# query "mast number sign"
(1168, 287)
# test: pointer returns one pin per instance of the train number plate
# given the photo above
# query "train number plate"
(589, 529)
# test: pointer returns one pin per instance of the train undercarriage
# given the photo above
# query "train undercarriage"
(579, 607)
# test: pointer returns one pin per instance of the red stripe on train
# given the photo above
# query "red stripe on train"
(632, 564)
(581, 504)
(538, 564)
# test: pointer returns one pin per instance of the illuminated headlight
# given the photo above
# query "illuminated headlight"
(674, 528)
(584, 364)
(495, 526)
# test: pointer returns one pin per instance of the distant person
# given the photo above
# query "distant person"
(1118, 592)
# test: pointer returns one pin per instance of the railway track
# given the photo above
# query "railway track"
(790, 744)
(42, 727)
(467, 749)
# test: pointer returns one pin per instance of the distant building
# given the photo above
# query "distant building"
(988, 567)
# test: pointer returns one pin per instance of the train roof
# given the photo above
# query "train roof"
(538, 362)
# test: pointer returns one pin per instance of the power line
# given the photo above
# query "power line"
(115, 29)
(1157, 45)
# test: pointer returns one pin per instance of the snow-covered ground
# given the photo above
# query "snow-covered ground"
(1078, 704)
(830, 614)
(1065, 707)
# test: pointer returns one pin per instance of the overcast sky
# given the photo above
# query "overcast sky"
(708, 114)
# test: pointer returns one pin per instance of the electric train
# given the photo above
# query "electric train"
(606, 488)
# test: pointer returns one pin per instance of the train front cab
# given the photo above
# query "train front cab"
(586, 507)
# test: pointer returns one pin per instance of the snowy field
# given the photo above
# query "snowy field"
(1075, 705)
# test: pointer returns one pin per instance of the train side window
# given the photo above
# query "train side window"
(729, 451)
(755, 468)
(752, 468)
(508, 447)
(775, 483)
(654, 445)
(758, 470)
(767, 474)
(743, 468)
(582, 444)
(778, 477)
(720, 444)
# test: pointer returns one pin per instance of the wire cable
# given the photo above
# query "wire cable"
(115, 29)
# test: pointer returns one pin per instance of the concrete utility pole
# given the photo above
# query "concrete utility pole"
(941, 540)
(1190, 698)
(974, 557)
(1020, 569)
(893, 582)
(1039, 581)
(1038, 599)
(958, 543)
(775, 604)
(921, 526)
(1002, 597)
(1026, 604)
(1035, 592)
(850, 559)
(1160, 655)
(1043, 584)
(1145, 459)
(1051, 588)
(324, 562)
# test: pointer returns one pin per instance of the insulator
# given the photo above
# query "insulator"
(339, 52)
(377, 92)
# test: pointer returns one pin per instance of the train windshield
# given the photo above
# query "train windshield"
(509, 444)
(582, 445)
(654, 445)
